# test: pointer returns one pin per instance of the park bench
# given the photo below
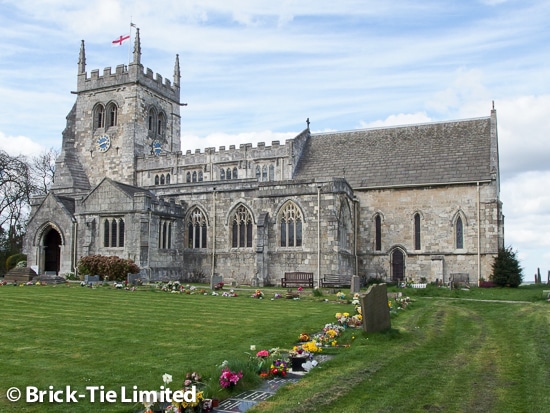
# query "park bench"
(297, 278)
(336, 280)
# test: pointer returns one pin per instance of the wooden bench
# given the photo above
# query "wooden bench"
(297, 278)
(336, 280)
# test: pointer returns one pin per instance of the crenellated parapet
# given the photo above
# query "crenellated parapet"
(123, 74)
(263, 162)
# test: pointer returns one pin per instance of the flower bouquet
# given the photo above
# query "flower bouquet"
(229, 379)
(279, 368)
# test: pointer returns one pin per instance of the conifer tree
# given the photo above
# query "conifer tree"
(506, 269)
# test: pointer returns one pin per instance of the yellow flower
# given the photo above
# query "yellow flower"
(338, 315)
(346, 314)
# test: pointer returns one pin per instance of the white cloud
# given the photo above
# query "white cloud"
(20, 145)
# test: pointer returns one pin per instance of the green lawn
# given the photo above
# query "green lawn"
(442, 354)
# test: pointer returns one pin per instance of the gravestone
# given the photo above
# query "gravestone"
(216, 279)
(91, 279)
(375, 309)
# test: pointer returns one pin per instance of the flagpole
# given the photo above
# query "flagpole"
(130, 42)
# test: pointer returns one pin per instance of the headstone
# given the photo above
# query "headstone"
(375, 309)
(134, 279)
(91, 279)
(355, 284)
(215, 279)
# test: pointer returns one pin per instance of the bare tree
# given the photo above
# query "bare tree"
(15, 191)
(43, 169)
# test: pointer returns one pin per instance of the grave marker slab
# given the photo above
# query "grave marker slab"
(375, 309)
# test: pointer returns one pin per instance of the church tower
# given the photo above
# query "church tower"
(116, 118)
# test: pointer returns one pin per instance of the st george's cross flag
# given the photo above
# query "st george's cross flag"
(120, 40)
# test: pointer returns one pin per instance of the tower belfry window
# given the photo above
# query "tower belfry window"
(112, 115)
(99, 117)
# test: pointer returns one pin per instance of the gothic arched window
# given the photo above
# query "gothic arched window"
(378, 233)
(291, 220)
(112, 115)
(459, 233)
(113, 232)
(222, 173)
(235, 172)
(151, 119)
(165, 234)
(417, 243)
(196, 229)
(161, 124)
(188, 177)
(162, 179)
(242, 228)
(99, 117)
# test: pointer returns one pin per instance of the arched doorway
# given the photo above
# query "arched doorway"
(397, 265)
(52, 251)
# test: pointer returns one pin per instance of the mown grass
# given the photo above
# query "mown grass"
(443, 353)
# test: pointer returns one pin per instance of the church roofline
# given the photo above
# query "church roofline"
(402, 126)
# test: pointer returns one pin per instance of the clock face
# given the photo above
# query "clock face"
(103, 143)
(157, 147)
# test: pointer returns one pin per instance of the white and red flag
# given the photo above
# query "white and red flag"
(121, 39)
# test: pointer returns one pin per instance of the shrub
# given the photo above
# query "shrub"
(506, 269)
(12, 260)
(107, 266)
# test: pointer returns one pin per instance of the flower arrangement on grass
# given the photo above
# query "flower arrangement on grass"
(402, 302)
(304, 337)
(279, 368)
(345, 320)
(305, 349)
(219, 286)
(197, 405)
(229, 379)
(340, 295)
(258, 294)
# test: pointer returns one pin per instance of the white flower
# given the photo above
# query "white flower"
(166, 378)
(252, 347)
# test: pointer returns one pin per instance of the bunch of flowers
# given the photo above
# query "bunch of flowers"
(191, 379)
(229, 378)
(304, 337)
(277, 295)
(402, 302)
(307, 348)
(329, 334)
(262, 353)
(345, 320)
(355, 301)
(258, 294)
(340, 295)
(219, 286)
(230, 293)
(279, 368)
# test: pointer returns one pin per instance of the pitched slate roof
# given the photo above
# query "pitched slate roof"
(435, 153)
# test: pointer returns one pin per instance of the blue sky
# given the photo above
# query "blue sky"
(255, 70)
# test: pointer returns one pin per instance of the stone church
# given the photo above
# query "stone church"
(398, 203)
